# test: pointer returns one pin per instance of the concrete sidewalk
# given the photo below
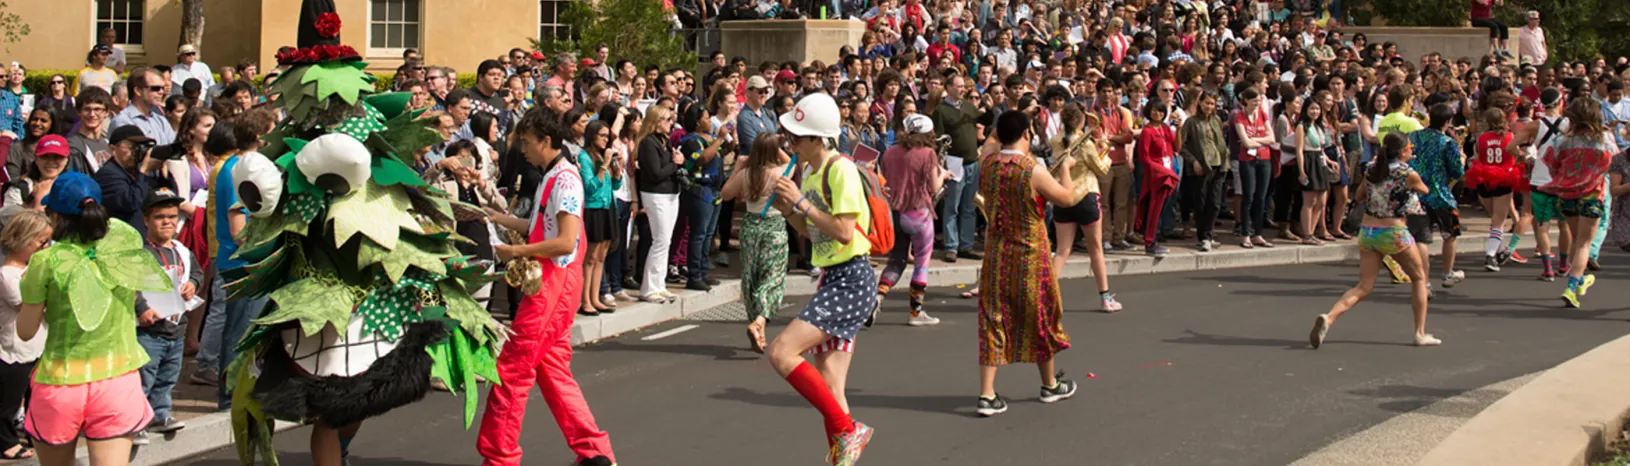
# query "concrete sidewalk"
(211, 431)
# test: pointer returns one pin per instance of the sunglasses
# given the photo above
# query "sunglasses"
(58, 81)
(189, 54)
(155, 88)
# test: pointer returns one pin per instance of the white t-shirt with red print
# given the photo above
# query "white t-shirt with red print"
(565, 196)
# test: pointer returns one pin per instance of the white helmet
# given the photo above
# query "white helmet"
(814, 115)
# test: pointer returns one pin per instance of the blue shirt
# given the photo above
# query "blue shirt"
(750, 123)
(153, 125)
(1437, 160)
(225, 196)
(11, 112)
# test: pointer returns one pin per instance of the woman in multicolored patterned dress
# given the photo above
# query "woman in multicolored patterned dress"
(1020, 309)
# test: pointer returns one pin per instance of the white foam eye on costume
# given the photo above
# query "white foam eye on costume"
(259, 183)
(335, 163)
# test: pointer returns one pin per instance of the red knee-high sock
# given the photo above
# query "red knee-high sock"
(809, 383)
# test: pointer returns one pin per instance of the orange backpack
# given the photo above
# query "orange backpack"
(881, 235)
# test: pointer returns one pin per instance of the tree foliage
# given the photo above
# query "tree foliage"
(637, 30)
(12, 27)
(1574, 29)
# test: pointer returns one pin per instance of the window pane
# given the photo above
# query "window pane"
(135, 36)
(119, 33)
(393, 35)
(410, 36)
(104, 9)
(376, 10)
(395, 11)
(410, 11)
(550, 15)
(376, 35)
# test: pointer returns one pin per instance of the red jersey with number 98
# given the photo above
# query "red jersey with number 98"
(1494, 163)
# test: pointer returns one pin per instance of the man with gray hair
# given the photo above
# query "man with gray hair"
(1531, 46)
(554, 99)
(565, 72)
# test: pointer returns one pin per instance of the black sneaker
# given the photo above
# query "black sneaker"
(1491, 263)
(1063, 391)
(1502, 257)
(596, 461)
(698, 285)
(712, 281)
(969, 255)
(949, 257)
(877, 309)
(991, 407)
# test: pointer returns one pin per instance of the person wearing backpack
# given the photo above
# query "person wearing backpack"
(832, 209)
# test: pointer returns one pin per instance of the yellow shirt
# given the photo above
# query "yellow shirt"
(209, 219)
(848, 198)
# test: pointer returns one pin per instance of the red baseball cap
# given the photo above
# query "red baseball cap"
(588, 63)
(537, 56)
(51, 145)
(786, 75)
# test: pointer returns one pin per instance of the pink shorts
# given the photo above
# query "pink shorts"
(101, 410)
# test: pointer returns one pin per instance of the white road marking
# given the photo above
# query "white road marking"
(669, 333)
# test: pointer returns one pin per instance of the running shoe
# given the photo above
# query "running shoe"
(992, 406)
(1518, 258)
(877, 310)
(1593, 266)
(141, 438)
(1321, 327)
(1548, 275)
(1427, 340)
(1586, 283)
(1501, 258)
(1563, 265)
(1453, 278)
(846, 447)
(167, 425)
(922, 319)
(1062, 389)
(1155, 251)
(1205, 245)
(1491, 263)
(204, 377)
(1108, 303)
(1122, 246)
(1570, 298)
(595, 461)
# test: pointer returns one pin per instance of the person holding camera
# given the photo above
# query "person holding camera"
(126, 182)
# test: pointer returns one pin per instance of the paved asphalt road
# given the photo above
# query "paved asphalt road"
(1207, 368)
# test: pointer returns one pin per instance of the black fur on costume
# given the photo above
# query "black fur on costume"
(400, 378)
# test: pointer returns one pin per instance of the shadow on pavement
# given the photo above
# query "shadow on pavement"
(717, 352)
(1409, 398)
(949, 405)
(1196, 338)
(305, 460)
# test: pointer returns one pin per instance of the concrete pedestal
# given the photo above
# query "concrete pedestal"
(1413, 42)
(789, 40)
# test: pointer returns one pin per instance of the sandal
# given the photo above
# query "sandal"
(21, 453)
(1311, 241)
(1259, 241)
(970, 294)
(1246, 244)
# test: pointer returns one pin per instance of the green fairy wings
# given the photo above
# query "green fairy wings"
(91, 274)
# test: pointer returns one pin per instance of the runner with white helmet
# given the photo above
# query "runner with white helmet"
(830, 208)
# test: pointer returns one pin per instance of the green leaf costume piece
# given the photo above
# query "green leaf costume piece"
(375, 211)
(313, 303)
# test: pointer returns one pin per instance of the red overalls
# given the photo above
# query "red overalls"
(541, 353)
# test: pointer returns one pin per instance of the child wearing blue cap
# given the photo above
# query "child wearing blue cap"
(84, 286)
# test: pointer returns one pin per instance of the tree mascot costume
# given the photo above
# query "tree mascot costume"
(369, 299)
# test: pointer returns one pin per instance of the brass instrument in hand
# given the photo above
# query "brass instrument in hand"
(1079, 146)
(943, 147)
(522, 273)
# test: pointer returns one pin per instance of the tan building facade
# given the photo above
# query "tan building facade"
(456, 33)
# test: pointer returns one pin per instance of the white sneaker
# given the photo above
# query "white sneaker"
(659, 297)
(815, 274)
(608, 299)
(141, 438)
(1453, 278)
(922, 319)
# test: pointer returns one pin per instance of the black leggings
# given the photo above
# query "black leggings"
(13, 390)
(1497, 28)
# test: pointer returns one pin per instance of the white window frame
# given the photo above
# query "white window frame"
(560, 7)
(135, 48)
(393, 52)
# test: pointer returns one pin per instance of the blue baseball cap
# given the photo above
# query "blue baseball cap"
(69, 192)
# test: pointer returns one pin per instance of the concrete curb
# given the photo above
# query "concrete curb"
(212, 431)
(1560, 418)
(631, 317)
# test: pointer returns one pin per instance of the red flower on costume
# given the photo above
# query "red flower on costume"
(328, 25)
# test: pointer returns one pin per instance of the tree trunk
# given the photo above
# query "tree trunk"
(192, 23)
